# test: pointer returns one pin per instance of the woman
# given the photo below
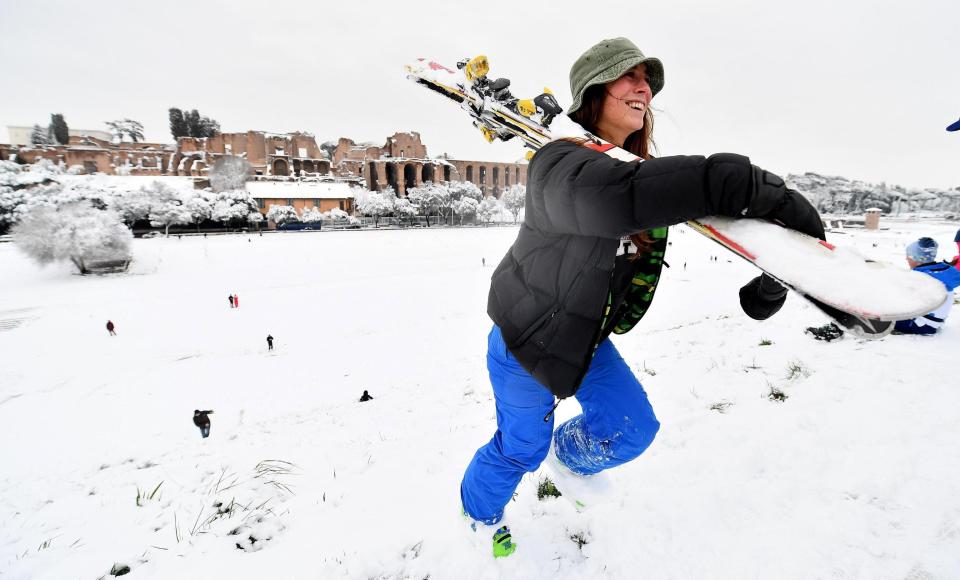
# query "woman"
(562, 288)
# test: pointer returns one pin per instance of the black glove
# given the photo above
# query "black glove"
(773, 200)
(762, 297)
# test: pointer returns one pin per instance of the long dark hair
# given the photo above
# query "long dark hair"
(639, 142)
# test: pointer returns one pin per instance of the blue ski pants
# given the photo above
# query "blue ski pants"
(617, 424)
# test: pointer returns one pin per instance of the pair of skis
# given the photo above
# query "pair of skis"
(864, 296)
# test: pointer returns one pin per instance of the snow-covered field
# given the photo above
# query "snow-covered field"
(855, 475)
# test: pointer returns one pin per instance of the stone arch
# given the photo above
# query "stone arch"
(446, 173)
(309, 166)
(409, 175)
(392, 180)
(297, 167)
(469, 172)
(374, 177)
(280, 167)
(426, 172)
(323, 167)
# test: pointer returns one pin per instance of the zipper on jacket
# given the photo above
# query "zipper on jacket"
(546, 418)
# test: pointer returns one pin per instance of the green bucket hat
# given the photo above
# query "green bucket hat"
(607, 61)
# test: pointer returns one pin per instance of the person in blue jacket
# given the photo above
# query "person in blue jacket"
(922, 256)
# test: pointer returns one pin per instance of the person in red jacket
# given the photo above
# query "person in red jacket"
(236, 301)
(110, 328)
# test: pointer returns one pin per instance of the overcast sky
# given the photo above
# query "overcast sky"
(859, 88)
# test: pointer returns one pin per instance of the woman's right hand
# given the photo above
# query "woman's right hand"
(773, 200)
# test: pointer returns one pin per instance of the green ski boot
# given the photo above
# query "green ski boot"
(503, 544)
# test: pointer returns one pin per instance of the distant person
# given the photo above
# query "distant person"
(110, 328)
(269, 342)
(230, 298)
(365, 397)
(921, 257)
(202, 420)
(955, 126)
(236, 301)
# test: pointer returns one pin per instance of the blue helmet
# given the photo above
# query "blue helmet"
(923, 250)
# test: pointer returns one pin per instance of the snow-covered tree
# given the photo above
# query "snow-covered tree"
(39, 136)
(489, 208)
(131, 204)
(199, 206)
(229, 173)
(402, 208)
(514, 198)
(236, 206)
(24, 188)
(166, 206)
(376, 205)
(77, 232)
(280, 214)
(429, 197)
(126, 127)
(461, 189)
(465, 206)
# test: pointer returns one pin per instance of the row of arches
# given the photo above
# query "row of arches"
(403, 176)
(280, 166)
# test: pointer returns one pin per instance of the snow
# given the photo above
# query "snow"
(875, 289)
(854, 475)
(299, 190)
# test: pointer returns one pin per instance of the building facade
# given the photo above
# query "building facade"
(269, 154)
(92, 155)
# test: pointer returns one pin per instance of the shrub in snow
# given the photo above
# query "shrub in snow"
(336, 214)
(546, 488)
(75, 231)
(513, 199)
(777, 395)
(229, 173)
(311, 215)
(281, 214)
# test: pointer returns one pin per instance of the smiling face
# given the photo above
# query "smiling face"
(625, 105)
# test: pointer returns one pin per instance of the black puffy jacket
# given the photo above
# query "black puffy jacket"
(548, 293)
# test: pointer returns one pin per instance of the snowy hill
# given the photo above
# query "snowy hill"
(842, 196)
(856, 474)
